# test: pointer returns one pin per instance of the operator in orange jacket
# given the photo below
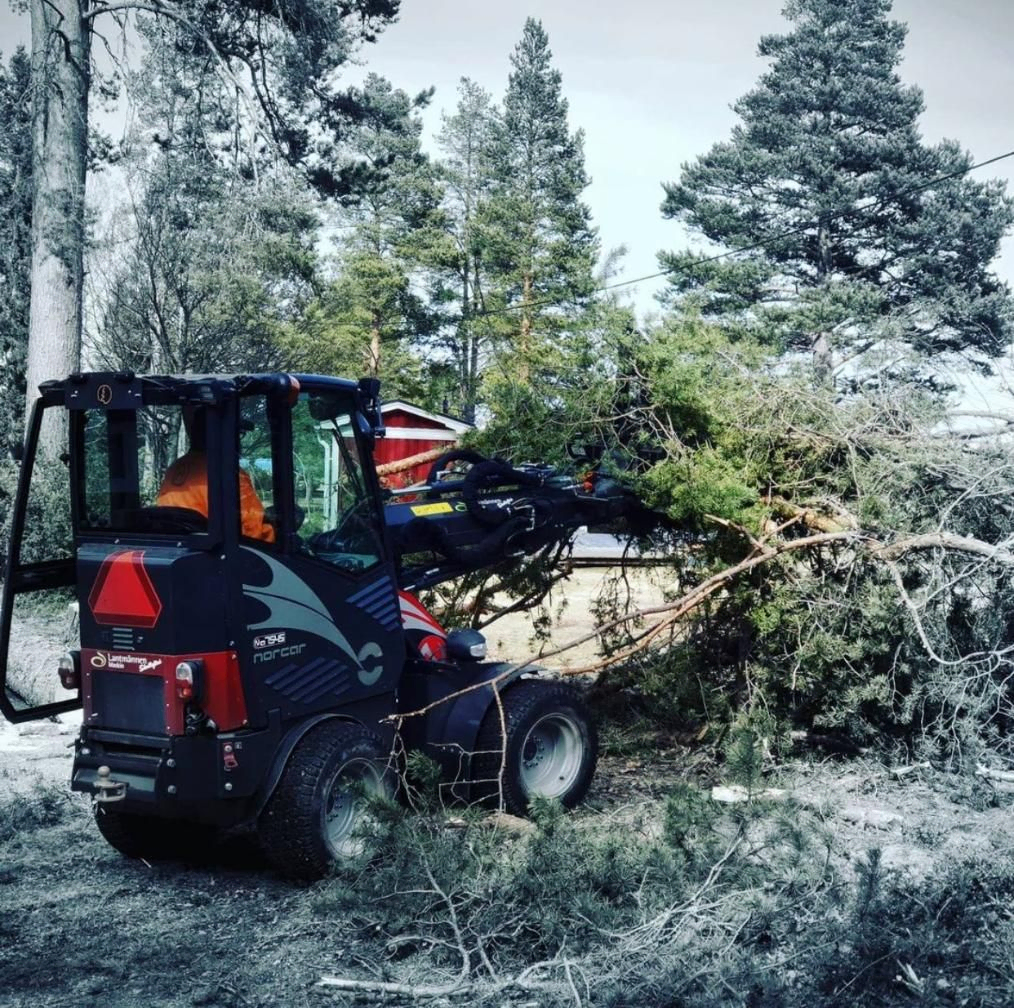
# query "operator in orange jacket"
(186, 483)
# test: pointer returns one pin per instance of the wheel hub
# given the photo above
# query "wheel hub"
(345, 806)
(551, 756)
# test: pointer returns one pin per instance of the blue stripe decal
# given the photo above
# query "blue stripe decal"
(306, 683)
(380, 602)
(335, 686)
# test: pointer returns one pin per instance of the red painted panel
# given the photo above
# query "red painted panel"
(398, 418)
(222, 697)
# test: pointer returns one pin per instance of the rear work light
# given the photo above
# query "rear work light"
(69, 667)
(188, 678)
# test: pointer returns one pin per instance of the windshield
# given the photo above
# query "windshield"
(336, 509)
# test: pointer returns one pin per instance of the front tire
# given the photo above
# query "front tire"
(315, 815)
(551, 747)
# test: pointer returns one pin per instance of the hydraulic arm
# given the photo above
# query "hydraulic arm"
(466, 521)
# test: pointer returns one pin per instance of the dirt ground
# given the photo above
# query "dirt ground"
(572, 605)
(80, 925)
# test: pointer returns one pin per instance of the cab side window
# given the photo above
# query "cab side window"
(330, 491)
(256, 471)
(143, 470)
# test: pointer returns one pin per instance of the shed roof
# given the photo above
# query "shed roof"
(442, 419)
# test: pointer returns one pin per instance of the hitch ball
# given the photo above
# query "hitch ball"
(108, 790)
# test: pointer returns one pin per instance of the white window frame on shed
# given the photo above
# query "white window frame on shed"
(451, 434)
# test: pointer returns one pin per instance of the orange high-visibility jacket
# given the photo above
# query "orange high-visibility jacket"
(186, 486)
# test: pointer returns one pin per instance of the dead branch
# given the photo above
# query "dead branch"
(420, 992)
(946, 541)
(671, 611)
(413, 991)
(811, 518)
(761, 554)
(400, 465)
(1005, 776)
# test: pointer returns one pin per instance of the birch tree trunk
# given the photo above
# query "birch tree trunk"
(60, 80)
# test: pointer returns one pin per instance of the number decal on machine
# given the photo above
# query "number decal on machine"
(269, 640)
(431, 509)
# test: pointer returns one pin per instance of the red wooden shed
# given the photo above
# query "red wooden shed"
(411, 431)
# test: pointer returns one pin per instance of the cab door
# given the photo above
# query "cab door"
(39, 573)
(322, 620)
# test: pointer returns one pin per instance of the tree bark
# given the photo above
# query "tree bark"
(524, 357)
(60, 81)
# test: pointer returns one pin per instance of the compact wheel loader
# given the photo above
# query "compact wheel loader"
(252, 668)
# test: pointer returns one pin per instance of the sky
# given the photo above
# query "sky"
(651, 83)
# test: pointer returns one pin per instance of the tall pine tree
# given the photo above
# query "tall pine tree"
(856, 233)
(372, 317)
(538, 240)
(465, 140)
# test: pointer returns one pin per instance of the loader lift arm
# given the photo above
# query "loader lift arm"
(493, 512)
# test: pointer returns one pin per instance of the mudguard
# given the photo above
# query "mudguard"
(289, 742)
(455, 743)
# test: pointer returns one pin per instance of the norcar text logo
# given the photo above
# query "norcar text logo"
(290, 651)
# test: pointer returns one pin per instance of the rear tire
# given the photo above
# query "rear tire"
(551, 747)
(314, 817)
(143, 836)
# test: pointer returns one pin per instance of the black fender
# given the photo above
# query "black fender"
(289, 741)
(457, 739)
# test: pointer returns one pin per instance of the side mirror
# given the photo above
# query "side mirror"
(369, 389)
(366, 428)
(466, 645)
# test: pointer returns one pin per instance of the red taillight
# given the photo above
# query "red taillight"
(188, 679)
(70, 671)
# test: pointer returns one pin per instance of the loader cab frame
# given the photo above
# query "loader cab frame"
(247, 639)
(121, 434)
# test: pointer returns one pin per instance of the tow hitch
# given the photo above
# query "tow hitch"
(108, 790)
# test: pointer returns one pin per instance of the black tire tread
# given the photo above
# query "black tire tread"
(288, 826)
(141, 836)
(520, 702)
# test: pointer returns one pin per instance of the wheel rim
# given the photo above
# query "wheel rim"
(346, 806)
(551, 756)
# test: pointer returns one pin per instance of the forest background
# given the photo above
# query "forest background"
(797, 404)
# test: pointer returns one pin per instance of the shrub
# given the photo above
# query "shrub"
(45, 805)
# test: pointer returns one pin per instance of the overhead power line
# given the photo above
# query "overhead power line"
(867, 216)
